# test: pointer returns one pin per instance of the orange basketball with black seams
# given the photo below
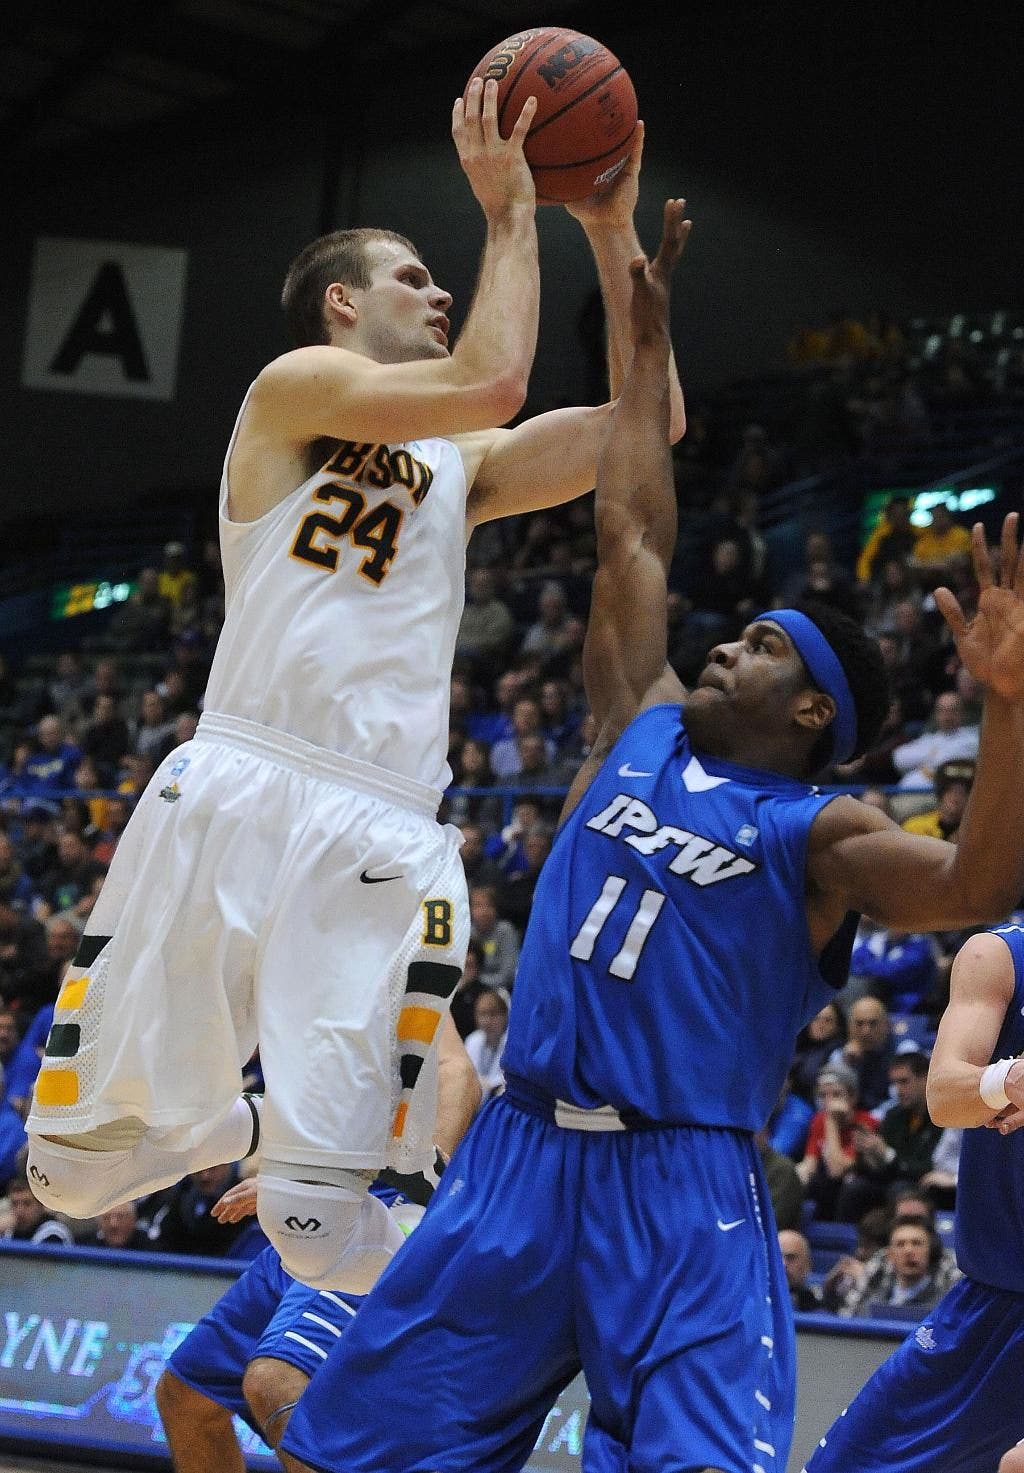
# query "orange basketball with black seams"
(585, 122)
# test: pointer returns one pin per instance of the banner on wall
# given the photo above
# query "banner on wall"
(85, 1334)
(104, 318)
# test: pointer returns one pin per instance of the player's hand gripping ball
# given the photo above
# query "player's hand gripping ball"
(583, 129)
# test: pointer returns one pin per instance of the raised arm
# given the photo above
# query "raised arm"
(859, 860)
(608, 221)
(329, 391)
(624, 655)
(553, 458)
(980, 989)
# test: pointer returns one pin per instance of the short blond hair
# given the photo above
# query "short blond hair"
(340, 256)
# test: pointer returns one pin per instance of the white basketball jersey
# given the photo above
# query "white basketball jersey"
(343, 605)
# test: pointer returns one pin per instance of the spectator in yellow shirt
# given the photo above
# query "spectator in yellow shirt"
(939, 543)
(175, 578)
(953, 781)
(894, 537)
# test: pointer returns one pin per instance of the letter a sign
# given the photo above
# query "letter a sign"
(104, 318)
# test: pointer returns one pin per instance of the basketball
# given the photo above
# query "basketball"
(582, 132)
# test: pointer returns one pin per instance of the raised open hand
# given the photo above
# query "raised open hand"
(496, 167)
(237, 1202)
(991, 645)
(614, 204)
(652, 280)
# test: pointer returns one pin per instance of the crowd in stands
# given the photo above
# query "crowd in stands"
(849, 1148)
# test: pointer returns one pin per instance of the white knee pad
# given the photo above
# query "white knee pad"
(77, 1182)
(328, 1237)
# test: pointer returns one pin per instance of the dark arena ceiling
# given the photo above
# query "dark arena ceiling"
(75, 73)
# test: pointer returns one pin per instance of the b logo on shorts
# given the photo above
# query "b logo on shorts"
(437, 923)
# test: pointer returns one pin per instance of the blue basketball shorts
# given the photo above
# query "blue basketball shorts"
(647, 1258)
(949, 1400)
(265, 1313)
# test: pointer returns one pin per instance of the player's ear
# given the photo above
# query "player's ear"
(339, 304)
(814, 710)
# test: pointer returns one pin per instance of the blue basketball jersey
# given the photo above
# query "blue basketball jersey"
(667, 965)
(989, 1232)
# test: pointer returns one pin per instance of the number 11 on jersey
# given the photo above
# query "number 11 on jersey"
(624, 963)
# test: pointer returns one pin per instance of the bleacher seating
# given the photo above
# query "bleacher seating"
(913, 1028)
(829, 1242)
(944, 1222)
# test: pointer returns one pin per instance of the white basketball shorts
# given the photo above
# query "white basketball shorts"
(266, 891)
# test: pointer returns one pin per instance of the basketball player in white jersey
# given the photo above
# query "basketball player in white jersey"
(284, 878)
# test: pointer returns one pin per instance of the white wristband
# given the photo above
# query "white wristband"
(990, 1086)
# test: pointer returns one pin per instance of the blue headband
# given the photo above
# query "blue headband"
(826, 672)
